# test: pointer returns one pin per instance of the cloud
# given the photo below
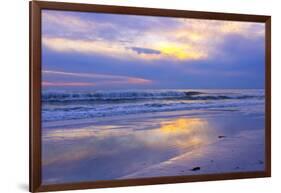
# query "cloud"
(205, 38)
(161, 50)
(96, 79)
(140, 50)
(104, 48)
(148, 38)
(63, 84)
(71, 24)
(82, 46)
(64, 21)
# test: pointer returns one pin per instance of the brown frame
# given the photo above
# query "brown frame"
(35, 94)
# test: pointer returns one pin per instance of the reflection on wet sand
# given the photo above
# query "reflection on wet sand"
(88, 153)
(185, 132)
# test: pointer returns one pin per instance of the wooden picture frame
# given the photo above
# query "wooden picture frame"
(35, 94)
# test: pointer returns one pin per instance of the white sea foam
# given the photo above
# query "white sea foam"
(78, 105)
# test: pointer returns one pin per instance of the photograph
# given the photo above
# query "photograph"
(128, 96)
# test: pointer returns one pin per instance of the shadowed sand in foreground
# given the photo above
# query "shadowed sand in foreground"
(151, 145)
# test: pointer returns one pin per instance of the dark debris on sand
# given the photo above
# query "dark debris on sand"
(195, 169)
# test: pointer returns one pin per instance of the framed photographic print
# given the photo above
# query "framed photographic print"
(123, 96)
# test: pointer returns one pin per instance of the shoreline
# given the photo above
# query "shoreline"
(148, 115)
(153, 144)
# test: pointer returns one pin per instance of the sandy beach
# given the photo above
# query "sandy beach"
(153, 144)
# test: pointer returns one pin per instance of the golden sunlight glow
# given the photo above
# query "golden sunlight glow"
(181, 52)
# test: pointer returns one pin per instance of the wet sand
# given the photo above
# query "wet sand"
(151, 145)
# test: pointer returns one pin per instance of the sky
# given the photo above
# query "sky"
(82, 50)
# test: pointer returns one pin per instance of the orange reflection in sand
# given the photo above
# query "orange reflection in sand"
(185, 132)
(182, 125)
(178, 133)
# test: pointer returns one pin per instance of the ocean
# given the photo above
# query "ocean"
(71, 105)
